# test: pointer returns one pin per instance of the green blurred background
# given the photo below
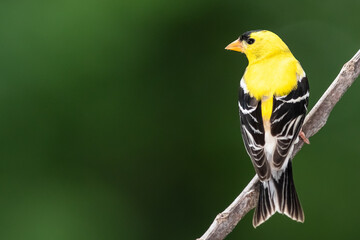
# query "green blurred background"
(119, 119)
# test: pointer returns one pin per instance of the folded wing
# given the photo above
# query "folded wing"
(287, 119)
(253, 131)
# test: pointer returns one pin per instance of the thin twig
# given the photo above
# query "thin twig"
(226, 221)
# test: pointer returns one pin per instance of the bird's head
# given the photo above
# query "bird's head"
(258, 44)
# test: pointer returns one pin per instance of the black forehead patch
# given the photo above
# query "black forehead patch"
(246, 35)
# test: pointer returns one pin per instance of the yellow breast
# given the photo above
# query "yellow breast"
(276, 75)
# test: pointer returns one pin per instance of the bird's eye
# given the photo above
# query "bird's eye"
(250, 41)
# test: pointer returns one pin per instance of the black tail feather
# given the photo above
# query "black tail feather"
(289, 203)
(265, 207)
(278, 196)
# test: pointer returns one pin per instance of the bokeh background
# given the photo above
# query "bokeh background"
(119, 119)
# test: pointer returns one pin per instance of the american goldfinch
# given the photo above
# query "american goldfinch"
(273, 100)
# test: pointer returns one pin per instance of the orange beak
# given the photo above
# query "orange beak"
(235, 46)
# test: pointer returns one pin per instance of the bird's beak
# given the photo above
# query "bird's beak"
(235, 46)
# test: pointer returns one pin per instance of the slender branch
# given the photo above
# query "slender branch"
(226, 221)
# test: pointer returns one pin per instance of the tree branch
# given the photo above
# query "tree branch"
(226, 221)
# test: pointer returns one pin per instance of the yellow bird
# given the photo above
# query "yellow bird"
(273, 100)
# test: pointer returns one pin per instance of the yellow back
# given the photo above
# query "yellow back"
(274, 76)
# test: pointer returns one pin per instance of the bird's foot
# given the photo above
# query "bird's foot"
(303, 137)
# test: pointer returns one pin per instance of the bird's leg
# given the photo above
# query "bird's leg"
(303, 137)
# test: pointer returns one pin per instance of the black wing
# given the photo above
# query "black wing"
(287, 119)
(252, 130)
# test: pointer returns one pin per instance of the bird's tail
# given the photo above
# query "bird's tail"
(278, 196)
